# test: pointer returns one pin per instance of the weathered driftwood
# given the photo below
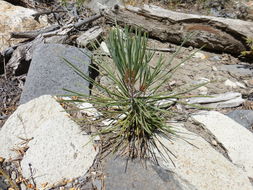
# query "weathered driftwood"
(89, 36)
(214, 33)
(162, 49)
(35, 33)
(54, 28)
(87, 20)
(37, 15)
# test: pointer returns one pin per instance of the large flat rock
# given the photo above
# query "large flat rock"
(139, 177)
(49, 73)
(57, 148)
(236, 139)
(202, 165)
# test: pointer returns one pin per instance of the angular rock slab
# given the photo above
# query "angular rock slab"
(139, 177)
(49, 73)
(202, 165)
(237, 140)
(58, 148)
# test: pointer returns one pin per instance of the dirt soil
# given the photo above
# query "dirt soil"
(199, 70)
(10, 91)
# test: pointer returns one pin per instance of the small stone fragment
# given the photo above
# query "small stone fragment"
(13, 175)
(89, 110)
(104, 47)
(199, 55)
(203, 90)
(214, 142)
(234, 84)
(214, 68)
(215, 58)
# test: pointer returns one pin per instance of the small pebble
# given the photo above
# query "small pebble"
(69, 185)
(190, 48)
(203, 90)
(104, 47)
(199, 55)
(234, 84)
(214, 68)
(214, 142)
(13, 175)
(215, 58)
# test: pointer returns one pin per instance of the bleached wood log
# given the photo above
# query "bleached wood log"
(214, 33)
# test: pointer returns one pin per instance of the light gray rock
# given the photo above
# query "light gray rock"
(62, 39)
(215, 58)
(239, 70)
(23, 186)
(97, 5)
(237, 140)
(57, 147)
(104, 48)
(49, 73)
(89, 110)
(202, 166)
(226, 100)
(232, 84)
(243, 117)
(199, 55)
(137, 177)
(89, 36)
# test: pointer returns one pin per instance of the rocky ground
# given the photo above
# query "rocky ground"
(38, 151)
